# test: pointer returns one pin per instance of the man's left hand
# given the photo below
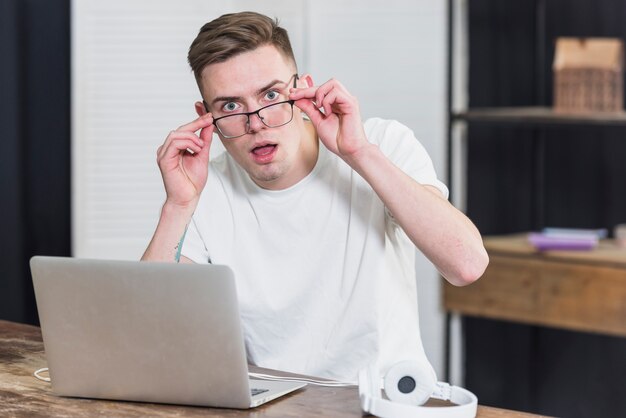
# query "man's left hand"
(339, 125)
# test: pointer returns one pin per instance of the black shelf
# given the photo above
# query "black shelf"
(537, 115)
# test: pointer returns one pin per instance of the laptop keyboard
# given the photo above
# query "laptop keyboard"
(255, 392)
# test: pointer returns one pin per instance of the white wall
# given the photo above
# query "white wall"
(131, 86)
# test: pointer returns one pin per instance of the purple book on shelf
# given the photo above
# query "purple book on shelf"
(544, 243)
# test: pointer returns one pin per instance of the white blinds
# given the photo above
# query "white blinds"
(131, 86)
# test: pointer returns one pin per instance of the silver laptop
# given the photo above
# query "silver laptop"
(145, 331)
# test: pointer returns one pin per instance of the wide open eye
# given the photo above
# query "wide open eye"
(271, 95)
(230, 107)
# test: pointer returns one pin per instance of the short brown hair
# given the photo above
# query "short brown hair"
(232, 34)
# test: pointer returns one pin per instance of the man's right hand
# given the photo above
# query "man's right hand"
(185, 174)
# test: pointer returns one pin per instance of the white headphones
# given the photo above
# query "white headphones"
(408, 385)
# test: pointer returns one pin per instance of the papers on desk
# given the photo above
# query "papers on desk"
(566, 239)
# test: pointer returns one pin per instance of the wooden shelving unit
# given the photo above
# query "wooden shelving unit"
(538, 115)
(575, 290)
(546, 289)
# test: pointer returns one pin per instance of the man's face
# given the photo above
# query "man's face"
(275, 158)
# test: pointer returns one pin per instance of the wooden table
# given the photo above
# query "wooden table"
(576, 290)
(22, 395)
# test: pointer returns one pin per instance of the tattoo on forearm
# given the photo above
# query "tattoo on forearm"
(179, 246)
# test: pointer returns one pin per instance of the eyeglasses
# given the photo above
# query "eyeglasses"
(272, 116)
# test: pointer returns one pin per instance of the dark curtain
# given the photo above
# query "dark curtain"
(523, 178)
(35, 151)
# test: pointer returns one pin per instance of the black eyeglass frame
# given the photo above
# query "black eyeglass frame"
(256, 112)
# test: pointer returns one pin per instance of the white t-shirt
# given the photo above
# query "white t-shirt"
(325, 277)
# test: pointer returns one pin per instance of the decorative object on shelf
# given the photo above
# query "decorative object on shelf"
(566, 239)
(589, 75)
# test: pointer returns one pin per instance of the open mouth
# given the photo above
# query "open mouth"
(264, 149)
(264, 153)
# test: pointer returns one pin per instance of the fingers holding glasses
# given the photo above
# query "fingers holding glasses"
(335, 114)
(199, 123)
(183, 159)
(203, 123)
(331, 96)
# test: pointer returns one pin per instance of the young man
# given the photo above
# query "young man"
(318, 216)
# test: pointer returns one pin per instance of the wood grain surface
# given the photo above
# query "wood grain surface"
(22, 395)
(576, 290)
(606, 254)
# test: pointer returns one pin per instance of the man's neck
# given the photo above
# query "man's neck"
(311, 145)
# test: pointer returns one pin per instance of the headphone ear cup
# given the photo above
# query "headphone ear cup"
(410, 382)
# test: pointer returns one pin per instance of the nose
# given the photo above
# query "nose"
(256, 124)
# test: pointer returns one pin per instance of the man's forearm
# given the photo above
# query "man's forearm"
(168, 238)
(444, 234)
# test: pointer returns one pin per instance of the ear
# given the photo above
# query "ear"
(201, 108)
(305, 80)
